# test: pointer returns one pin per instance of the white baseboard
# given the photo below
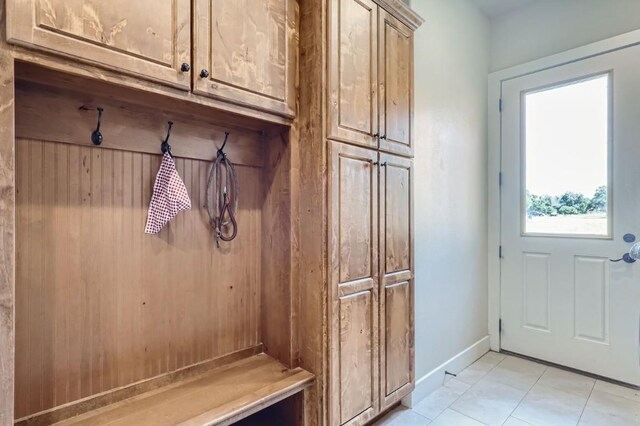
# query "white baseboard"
(435, 378)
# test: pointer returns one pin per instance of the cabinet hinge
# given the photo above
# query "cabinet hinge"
(500, 178)
(500, 325)
(499, 252)
(500, 105)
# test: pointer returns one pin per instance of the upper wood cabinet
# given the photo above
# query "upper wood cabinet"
(120, 34)
(395, 75)
(246, 52)
(353, 72)
(396, 282)
(353, 227)
(370, 77)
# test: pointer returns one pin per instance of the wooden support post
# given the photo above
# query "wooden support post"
(7, 231)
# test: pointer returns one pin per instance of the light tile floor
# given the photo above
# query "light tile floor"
(504, 390)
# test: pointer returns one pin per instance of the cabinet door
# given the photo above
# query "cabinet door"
(353, 248)
(146, 38)
(396, 85)
(353, 72)
(249, 51)
(396, 271)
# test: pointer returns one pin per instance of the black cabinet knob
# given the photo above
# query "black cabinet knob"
(204, 73)
(383, 137)
(185, 67)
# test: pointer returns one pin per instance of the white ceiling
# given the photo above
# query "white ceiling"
(497, 7)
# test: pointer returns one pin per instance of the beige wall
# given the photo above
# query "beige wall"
(545, 27)
(451, 66)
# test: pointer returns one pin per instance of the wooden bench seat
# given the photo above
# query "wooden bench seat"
(218, 397)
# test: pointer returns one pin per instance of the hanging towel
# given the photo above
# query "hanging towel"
(169, 196)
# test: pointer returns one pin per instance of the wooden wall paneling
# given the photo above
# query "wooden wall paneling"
(119, 35)
(309, 150)
(353, 72)
(249, 51)
(101, 305)
(7, 229)
(353, 315)
(396, 285)
(53, 114)
(395, 43)
(277, 302)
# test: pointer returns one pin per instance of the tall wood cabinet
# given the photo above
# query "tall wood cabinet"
(360, 121)
(244, 52)
(370, 77)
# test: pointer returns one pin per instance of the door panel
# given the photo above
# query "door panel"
(353, 59)
(569, 195)
(396, 270)
(249, 50)
(353, 293)
(397, 330)
(395, 43)
(356, 350)
(118, 34)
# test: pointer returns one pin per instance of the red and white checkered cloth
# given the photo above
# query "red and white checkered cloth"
(169, 197)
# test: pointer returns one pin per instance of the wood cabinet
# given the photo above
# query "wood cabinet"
(370, 80)
(245, 52)
(120, 34)
(371, 294)
(396, 282)
(355, 147)
(353, 72)
(353, 224)
(395, 75)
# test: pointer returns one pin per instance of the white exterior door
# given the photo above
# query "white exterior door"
(570, 192)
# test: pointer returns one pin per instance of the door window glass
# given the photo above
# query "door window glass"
(566, 159)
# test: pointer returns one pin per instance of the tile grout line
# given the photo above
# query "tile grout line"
(527, 393)
(465, 415)
(586, 402)
(471, 386)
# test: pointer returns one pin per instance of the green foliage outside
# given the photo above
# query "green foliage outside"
(569, 203)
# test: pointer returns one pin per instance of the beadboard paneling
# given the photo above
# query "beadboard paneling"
(99, 304)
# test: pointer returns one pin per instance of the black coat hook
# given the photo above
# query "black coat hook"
(221, 149)
(96, 136)
(165, 147)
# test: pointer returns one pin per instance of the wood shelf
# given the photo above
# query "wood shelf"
(218, 397)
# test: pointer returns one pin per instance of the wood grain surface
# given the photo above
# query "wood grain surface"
(397, 282)
(100, 304)
(7, 230)
(250, 52)
(220, 396)
(353, 245)
(119, 34)
(353, 72)
(395, 44)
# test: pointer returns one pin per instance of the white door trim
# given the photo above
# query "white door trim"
(494, 94)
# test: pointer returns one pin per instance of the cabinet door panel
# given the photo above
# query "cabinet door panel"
(396, 271)
(250, 52)
(353, 293)
(353, 72)
(396, 85)
(356, 354)
(397, 330)
(117, 34)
